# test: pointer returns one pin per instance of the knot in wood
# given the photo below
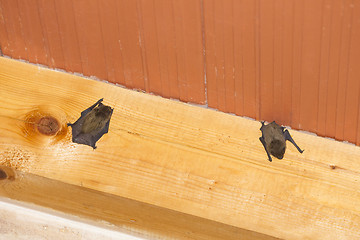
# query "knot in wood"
(3, 174)
(48, 125)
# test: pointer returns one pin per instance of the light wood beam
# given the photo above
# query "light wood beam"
(170, 155)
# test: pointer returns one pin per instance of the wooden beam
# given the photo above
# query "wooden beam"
(129, 216)
(174, 157)
(21, 220)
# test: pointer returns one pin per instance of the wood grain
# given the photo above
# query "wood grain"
(114, 212)
(179, 157)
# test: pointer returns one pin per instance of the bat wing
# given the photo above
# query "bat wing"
(76, 127)
(288, 137)
(262, 140)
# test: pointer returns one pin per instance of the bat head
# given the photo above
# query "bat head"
(103, 111)
(277, 148)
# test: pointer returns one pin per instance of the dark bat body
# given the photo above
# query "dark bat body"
(274, 139)
(92, 125)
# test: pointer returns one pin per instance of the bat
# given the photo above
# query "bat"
(92, 125)
(274, 139)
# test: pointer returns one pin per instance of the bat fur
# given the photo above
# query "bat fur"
(92, 125)
(274, 139)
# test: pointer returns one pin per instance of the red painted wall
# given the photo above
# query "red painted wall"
(296, 62)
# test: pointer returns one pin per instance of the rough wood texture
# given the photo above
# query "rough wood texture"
(129, 216)
(21, 221)
(182, 158)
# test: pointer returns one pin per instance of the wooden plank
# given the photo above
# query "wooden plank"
(24, 221)
(121, 214)
(178, 157)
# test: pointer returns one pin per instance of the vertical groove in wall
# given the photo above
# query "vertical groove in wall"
(338, 73)
(333, 68)
(48, 10)
(209, 52)
(102, 41)
(352, 120)
(4, 44)
(142, 45)
(45, 38)
(230, 67)
(107, 15)
(343, 70)
(18, 37)
(59, 44)
(181, 74)
(346, 66)
(219, 54)
(203, 48)
(310, 59)
(257, 59)
(116, 47)
(277, 64)
(287, 62)
(323, 65)
(67, 35)
(238, 41)
(194, 51)
(266, 32)
(297, 57)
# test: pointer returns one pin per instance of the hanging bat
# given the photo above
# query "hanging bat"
(92, 125)
(274, 139)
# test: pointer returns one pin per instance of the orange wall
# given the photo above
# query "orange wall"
(293, 61)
